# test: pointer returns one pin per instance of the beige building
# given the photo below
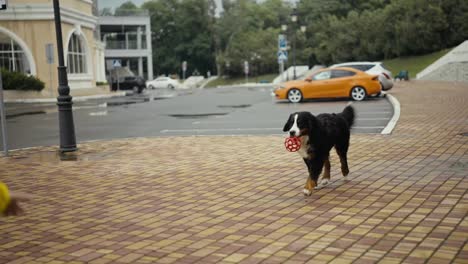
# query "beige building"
(27, 27)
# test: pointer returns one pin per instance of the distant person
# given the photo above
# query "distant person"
(9, 201)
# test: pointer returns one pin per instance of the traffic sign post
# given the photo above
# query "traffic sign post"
(282, 53)
(117, 64)
(282, 42)
(184, 69)
(50, 60)
(246, 71)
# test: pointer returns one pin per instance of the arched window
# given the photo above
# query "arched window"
(76, 55)
(12, 56)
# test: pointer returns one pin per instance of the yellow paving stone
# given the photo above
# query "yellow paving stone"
(284, 253)
(100, 261)
(360, 231)
(56, 262)
(235, 258)
(112, 256)
(324, 257)
(203, 252)
(341, 261)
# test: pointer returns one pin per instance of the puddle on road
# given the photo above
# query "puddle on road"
(110, 104)
(11, 116)
(235, 106)
(195, 116)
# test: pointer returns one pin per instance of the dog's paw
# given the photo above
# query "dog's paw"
(324, 182)
(307, 192)
(345, 172)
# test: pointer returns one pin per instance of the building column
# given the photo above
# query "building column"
(140, 66)
(139, 38)
(150, 50)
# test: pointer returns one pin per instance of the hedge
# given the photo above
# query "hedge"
(20, 81)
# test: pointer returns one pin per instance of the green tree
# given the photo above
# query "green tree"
(126, 8)
(182, 30)
(248, 31)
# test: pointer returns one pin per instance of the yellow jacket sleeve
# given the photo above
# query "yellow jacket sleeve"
(4, 197)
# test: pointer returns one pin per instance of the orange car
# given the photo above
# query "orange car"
(331, 83)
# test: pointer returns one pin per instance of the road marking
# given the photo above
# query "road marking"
(396, 115)
(165, 131)
(378, 118)
(101, 113)
(372, 113)
(269, 121)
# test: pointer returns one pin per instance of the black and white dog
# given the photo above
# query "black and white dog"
(319, 134)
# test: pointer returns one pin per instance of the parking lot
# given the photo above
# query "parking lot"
(222, 111)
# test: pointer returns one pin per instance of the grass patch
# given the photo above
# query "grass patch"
(241, 80)
(413, 64)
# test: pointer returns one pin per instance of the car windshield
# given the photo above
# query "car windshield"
(361, 67)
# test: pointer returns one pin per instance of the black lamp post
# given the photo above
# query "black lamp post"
(64, 100)
(303, 29)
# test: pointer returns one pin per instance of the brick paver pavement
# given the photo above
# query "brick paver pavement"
(239, 199)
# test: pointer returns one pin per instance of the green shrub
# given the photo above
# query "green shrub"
(101, 83)
(20, 81)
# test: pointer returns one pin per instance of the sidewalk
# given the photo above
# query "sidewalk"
(239, 199)
(44, 97)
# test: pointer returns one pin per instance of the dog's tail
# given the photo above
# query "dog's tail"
(349, 115)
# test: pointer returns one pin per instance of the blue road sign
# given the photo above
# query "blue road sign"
(282, 56)
(116, 63)
(282, 42)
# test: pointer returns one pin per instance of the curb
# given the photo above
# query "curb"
(75, 99)
(396, 115)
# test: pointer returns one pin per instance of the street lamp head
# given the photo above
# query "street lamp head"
(303, 28)
(294, 15)
(284, 27)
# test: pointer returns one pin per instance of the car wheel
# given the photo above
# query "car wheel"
(294, 95)
(151, 87)
(358, 93)
(136, 89)
(170, 86)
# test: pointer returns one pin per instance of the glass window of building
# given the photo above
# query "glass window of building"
(12, 57)
(76, 56)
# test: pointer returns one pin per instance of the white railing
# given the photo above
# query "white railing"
(458, 54)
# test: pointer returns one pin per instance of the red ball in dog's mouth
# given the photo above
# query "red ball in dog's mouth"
(292, 144)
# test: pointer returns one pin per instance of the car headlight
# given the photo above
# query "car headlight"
(279, 87)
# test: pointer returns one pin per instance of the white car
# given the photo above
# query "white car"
(162, 83)
(377, 68)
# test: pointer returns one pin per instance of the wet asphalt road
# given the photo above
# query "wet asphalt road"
(222, 111)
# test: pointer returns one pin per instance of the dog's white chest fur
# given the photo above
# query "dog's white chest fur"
(304, 146)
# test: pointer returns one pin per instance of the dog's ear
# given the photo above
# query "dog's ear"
(288, 124)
